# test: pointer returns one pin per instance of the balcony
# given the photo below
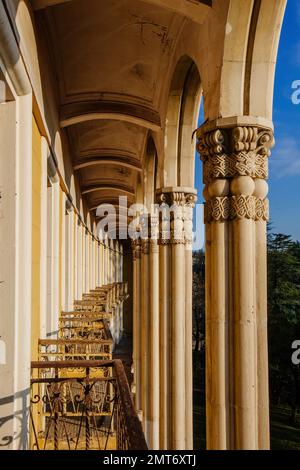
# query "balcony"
(80, 396)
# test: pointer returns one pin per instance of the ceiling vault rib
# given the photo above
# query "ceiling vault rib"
(107, 161)
(108, 187)
(74, 113)
(42, 4)
(176, 5)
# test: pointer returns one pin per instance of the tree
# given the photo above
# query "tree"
(199, 307)
(284, 318)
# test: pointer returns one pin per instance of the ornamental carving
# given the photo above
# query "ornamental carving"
(136, 249)
(145, 246)
(236, 207)
(176, 217)
(241, 151)
(237, 156)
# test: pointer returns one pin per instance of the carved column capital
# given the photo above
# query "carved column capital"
(136, 248)
(145, 246)
(154, 232)
(176, 214)
(235, 167)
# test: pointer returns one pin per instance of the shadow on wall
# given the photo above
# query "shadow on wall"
(21, 419)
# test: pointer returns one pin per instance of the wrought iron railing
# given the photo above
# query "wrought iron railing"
(76, 322)
(68, 350)
(77, 315)
(90, 305)
(84, 329)
(83, 405)
(102, 299)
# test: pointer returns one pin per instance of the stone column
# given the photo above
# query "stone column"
(176, 319)
(97, 263)
(63, 293)
(101, 264)
(121, 266)
(92, 263)
(96, 283)
(145, 369)
(164, 334)
(87, 262)
(137, 330)
(235, 155)
(105, 261)
(16, 223)
(83, 258)
(69, 256)
(188, 235)
(154, 328)
(79, 260)
(76, 262)
(111, 262)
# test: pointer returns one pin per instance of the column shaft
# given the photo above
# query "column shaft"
(235, 169)
(262, 337)
(175, 288)
(217, 383)
(145, 336)
(189, 346)
(154, 346)
(137, 330)
(178, 347)
(244, 336)
(165, 346)
(79, 261)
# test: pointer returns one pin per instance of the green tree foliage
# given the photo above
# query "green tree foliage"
(284, 318)
(198, 307)
(198, 300)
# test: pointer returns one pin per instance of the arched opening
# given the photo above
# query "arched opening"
(181, 121)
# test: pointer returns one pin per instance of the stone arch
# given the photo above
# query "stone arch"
(139, 191)
(150, 173)
(264, 56)
(181, 120)
(242, 83)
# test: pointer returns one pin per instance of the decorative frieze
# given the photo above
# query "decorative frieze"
(236, 207)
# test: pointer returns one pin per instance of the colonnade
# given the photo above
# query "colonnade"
(89, 262)
(84, 261)
(162, 335)
(235, 155)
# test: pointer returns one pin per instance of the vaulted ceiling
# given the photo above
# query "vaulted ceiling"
(110, 58)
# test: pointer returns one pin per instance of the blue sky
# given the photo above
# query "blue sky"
(284, 163)
(285, 160)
